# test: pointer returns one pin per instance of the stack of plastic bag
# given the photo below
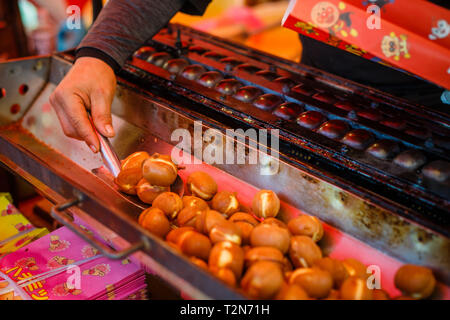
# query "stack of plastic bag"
(62, 266)
(15, 229)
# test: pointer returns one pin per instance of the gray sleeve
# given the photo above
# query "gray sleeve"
(124, 25)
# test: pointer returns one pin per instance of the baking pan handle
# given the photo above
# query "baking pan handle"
(58, 213)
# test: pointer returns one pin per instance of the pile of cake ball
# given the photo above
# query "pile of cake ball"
(253, 251)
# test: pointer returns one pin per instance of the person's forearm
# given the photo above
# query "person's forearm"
(123, 26)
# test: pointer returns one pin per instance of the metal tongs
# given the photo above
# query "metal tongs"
(109, 156)
(113, 164)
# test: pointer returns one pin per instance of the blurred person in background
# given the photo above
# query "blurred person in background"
(50, 15)
(46, 21)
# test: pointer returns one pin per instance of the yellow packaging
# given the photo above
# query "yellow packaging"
(15, 229)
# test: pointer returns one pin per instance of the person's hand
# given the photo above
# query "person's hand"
(90, 84)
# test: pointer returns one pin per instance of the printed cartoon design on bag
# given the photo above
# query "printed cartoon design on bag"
(9, 210)
(333, 41)
(59, 261)
(22, 241)
(393, 46)
(110, 291)
(100, 270)
(143, 293)
(132, 296)
(89, 251)
(328, 16)
(306, 27)
(21, 227)
(28, 262)
(62, 290)
(441, 31)
(355, 50)
(58, 245)
(325, 14)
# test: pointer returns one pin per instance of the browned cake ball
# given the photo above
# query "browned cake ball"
(128, 179)
(246, 249)
(334, 267)
(355, 288)
(159, 170)
(415, 281)
(207, 220)
(199, 263)
(170, 203)
(188, 216)
(147, 193)
(355, 268)
(380, 294)
(193, 243)
(225, 275)
(225, 202)
(333, 295)
(246, 223)
(134, 160)
(225, 231)
(276, 222)
(174, 235)
(174, 246)
(264, 253)
(266, 204)
(155, 221)
(288, 274)
(201, 185)
(192, 201)
(291, 292)
(303, 251)
(287, 265)
(306, 226)
(269, 235)
(316, 282)
(262, 280)
(229, 255)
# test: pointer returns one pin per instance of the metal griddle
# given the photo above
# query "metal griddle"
(372, 209)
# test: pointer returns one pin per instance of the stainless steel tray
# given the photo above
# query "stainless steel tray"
(33, 146)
